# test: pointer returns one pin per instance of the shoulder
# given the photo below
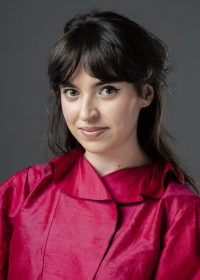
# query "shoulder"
(180, 200)
(15, 189)
(176, 194)
(180, 193)
(20, 184)
(29, 175)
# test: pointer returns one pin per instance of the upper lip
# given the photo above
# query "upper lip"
(90, 129)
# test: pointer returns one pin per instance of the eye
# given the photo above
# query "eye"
(109, 91)
(70, 93)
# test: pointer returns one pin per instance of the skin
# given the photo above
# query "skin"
(88, 105)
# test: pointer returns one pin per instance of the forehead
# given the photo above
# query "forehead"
(84, 77)
(81, 74)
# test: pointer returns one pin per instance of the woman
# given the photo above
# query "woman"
(115, 203)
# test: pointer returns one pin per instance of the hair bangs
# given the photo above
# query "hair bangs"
(103, 61)
(99, 56)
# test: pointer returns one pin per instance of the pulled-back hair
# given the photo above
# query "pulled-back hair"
(112, 47)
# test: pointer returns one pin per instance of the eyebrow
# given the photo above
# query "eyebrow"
(100, 83)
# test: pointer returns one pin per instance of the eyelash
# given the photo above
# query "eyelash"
(115, 90)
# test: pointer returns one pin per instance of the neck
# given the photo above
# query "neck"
(115, 160)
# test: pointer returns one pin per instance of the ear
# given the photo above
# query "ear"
(147, 95)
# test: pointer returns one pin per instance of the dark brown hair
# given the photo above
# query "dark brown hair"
(112, 47)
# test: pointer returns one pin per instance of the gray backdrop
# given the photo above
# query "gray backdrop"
(28, 30)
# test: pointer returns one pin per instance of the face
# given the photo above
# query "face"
(102, 117)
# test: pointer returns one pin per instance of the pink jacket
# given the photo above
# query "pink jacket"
(61, 220)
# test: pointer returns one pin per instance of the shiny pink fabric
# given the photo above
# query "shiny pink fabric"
(61, 220)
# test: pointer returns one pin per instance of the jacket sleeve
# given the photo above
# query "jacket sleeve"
(180, 252)
(12, 195)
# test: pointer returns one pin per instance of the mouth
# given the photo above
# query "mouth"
(92, 129)
(92, 132)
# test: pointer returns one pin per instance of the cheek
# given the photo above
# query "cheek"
(69, 113)
(124, 113)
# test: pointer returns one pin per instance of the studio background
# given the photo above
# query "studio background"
(28, 31)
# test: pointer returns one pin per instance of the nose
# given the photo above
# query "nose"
(88, 110)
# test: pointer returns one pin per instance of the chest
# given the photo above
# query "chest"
(62, 237)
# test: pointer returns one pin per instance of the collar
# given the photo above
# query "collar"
(133, 184)
(75, 176)
(63, 162)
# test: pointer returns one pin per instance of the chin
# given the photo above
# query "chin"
(96, 148)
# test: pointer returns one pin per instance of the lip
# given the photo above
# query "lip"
(92, 133)
(91, 129)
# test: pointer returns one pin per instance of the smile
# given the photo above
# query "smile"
(92, 133)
